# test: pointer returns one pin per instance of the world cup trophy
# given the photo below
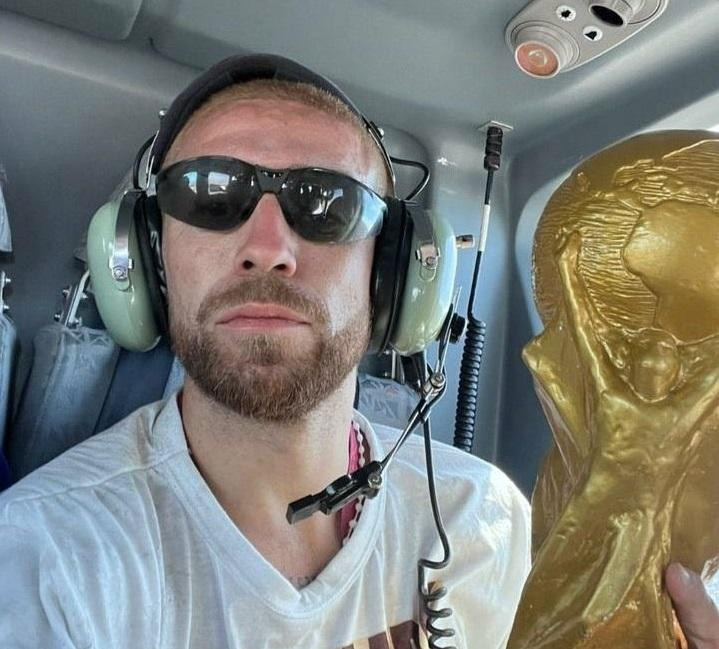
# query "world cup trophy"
(626, 279)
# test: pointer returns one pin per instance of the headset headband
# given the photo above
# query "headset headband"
(240, 69)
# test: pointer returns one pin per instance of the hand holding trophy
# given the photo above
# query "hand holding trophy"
(626, 263)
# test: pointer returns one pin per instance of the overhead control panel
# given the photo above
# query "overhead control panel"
(548, 37)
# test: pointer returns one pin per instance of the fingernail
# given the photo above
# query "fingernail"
(684, 574)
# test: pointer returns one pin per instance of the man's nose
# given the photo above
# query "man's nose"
(267, 244)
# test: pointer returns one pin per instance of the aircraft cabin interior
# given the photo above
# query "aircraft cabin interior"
(83, 82)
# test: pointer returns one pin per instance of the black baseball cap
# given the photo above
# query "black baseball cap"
(240, 69)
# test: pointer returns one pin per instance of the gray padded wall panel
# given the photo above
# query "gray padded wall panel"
(73, 112)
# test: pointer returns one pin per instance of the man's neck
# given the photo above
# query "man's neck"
(256, 468)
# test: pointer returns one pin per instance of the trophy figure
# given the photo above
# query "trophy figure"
(626, 279)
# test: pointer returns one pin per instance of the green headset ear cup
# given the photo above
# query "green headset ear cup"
(124, 304)
(148, 220)
(391, 252)
(428, 293)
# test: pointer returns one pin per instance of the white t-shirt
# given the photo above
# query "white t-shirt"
(120, 543)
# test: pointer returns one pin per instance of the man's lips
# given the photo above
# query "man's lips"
(261, 316)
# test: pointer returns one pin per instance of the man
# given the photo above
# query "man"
(169, 530)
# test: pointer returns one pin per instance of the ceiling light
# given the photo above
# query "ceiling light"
(542, 50)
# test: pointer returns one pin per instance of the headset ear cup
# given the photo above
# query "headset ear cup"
(122, 299)
(148, 225)
(391, 258)
(428, 291)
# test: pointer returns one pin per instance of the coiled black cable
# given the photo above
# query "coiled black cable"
(466, 413)
(429, 597)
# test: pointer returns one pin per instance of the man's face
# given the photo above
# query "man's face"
(265, 322)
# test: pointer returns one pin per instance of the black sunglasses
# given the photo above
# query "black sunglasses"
(220, 193)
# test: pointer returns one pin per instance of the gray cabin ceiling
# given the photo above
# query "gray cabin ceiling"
(429, 64)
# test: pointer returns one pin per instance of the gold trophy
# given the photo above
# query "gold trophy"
(626, 279)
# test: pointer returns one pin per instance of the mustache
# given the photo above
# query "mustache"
(265, 289)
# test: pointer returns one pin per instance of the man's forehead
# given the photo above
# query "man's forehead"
(276, 133)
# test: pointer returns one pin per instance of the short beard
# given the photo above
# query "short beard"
(263, 380)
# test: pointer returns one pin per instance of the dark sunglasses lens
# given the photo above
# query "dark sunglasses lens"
(213, 193)
(326, 207)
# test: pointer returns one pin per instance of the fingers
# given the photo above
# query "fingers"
(697, 613)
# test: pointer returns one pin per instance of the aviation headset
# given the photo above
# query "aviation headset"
(415, 253)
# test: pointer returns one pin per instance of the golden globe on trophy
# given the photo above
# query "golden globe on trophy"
(626, 279)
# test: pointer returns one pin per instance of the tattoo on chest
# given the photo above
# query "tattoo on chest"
(301, 582)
